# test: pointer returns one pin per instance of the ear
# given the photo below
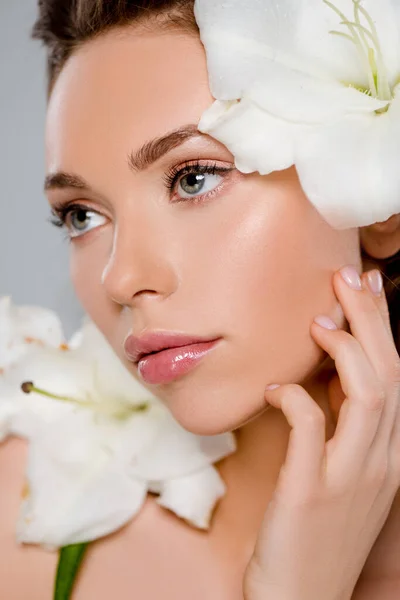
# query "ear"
(381, 240)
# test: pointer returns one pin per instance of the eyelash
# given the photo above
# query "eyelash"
(171, 178)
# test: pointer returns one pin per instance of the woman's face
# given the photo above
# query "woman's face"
(243, 258)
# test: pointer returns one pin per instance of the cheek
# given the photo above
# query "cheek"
(276, 277)
(284, 280)
(87, 263)
(290, 263)
(271, 263)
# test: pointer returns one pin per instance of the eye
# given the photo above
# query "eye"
(80, 221)
(77, 219)
(193, 184)
(195, 180)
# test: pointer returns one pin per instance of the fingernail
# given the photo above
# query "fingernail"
(325, 322)
(351, 277)
(273, 386)
(375, 282)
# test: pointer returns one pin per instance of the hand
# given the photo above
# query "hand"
(333, 498)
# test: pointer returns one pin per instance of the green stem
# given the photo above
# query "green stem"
(69, 561)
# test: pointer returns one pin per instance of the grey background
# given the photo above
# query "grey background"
(33, 254)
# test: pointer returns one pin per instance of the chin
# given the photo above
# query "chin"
(220, 400)
(212, 411)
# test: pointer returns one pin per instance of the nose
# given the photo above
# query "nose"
(139, 265)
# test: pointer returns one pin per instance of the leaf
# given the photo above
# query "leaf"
(70, 559)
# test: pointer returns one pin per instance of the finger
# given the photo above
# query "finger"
(306, 449)
(361, 412)
(389, 373)
(372, 281)
(394, 445)
(369, 321)
(367, 312)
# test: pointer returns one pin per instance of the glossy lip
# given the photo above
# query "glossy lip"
(136, 348)
(163, 367)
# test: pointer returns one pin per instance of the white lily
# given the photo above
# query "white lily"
(24, 328)
(99, 445)
(315, 84)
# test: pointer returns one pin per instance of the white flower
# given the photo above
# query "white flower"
(310, 83)
(23, 328)
(97, 449)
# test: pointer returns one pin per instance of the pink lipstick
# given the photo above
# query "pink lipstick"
(163, 357)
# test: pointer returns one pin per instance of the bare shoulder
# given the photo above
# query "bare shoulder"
(155, 555)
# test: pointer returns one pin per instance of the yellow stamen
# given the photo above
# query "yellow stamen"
(366, 40)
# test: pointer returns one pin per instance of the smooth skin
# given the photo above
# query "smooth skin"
(332, 499)
(254, 263)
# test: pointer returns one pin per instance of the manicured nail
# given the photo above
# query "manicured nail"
(351, 277)
(375, 282)
(273, 386)
(325, 322)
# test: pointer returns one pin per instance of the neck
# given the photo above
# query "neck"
(251, 476)
(251, 473)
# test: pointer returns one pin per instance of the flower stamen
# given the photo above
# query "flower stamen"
(118, 410)
(366, 40)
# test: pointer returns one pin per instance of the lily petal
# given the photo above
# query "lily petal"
(53, 370)
(303, 99)
(350, 170)
(193, 497)
(9, 410)
(110, 375)
(240, 37)
(77, 492)
(90, 372)
(97, 448)
(176, 452)
(25, 328)
(257, 140)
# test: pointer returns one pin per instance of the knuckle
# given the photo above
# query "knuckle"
(374, 399)
(307, 412)
(295, 393)
(296, 390)
(315, 418)
(293, 389)
(347, 344)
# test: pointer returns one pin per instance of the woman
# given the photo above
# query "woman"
(171, 237)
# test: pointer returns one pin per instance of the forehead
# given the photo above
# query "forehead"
(123, 89)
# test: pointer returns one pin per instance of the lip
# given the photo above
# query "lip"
(162, 357)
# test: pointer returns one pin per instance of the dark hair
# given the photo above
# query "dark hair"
(64, 25)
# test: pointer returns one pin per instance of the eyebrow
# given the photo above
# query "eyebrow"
(62, 180)
(152, 151)
(140, 160)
